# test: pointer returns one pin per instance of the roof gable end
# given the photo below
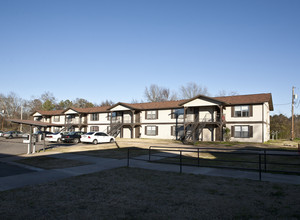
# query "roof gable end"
(201, 100)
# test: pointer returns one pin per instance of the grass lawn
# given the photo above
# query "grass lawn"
(132, 193)
(47, 162)
(231, 159)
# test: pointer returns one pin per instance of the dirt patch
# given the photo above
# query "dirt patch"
(47, 162)
(132, 193)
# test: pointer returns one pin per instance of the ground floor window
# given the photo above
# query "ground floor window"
(242, 131)
(179, 130)
(151, 130)
(56, 129)
(94, 128)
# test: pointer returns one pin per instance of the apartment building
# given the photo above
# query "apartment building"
(201, 118)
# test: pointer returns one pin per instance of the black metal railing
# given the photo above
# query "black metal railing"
(259, 160)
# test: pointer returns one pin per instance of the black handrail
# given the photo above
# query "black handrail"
(198, 150)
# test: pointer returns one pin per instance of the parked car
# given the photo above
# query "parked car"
(72, 137)
(42, 132)
(12, 134)
(96, 137)
(1, 133)
(39, 135)
(55, 137)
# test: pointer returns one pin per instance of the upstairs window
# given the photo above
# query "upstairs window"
(242, 111)
(56, 118)
(179, 112)
(39, 118)
(94, 128)
(95, 117)
(152, 114)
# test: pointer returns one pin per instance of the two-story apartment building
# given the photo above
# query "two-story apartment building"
(200, 118)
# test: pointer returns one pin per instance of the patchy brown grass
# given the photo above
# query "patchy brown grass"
(117, 153)
(47, 162)
(132, 193)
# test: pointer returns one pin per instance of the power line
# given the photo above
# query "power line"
(284, 104)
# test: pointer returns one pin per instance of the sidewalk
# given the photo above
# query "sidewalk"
(41, 176)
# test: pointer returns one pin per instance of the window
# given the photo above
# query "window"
(100, 134)
(152, 114)
(179, 112)
(151, 130)
(242, 111)
(179, 130)
(95, 117)
(39, 118)
(94, 128)
(243, 131)
(56, 118)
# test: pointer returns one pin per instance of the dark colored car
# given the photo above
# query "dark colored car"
(72, 137)
(12, 134)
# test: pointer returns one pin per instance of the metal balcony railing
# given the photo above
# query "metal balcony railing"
(76, 121)
(206, 118)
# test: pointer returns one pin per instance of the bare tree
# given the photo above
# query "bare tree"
(82, 103)
(64, 104)
(11, 104)
(191, 90)
(225, 93)
(10, 107)
(134, 101)
(34, 104)
(158, 94)
(107, 103)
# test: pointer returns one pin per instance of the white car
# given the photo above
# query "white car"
(56, 137)
(96, 137)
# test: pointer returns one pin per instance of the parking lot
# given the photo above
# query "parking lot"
(9, 147)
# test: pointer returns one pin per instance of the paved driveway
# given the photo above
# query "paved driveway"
(8, 148)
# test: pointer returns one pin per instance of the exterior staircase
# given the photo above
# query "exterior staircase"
(195, 126)
(115, 129)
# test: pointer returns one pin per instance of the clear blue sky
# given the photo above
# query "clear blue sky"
(113, 49)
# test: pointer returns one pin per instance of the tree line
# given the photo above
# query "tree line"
(283, 126)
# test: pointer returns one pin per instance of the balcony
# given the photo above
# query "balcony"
(76, 121)
(125, 120)
(208, 118)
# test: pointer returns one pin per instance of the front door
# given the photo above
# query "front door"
(137, 118)
(138, 132)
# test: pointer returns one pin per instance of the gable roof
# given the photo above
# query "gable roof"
(89, 110)
(206, 98)
(248, 99)
(49, 113)
(150, 105)
(130, 106)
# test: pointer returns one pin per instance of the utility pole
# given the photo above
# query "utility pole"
(293, 104)
(2, 114)
(21, 126)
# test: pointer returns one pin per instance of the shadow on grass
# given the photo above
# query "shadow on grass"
(48, 162)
